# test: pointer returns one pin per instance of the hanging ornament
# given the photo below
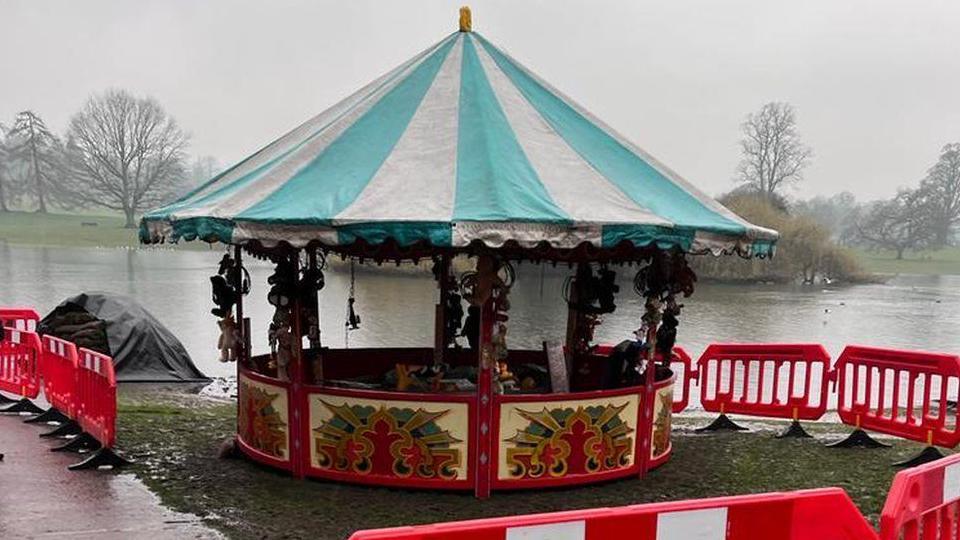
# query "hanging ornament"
(230, 282)
(353, 320)
(283, 290)
(589, 293)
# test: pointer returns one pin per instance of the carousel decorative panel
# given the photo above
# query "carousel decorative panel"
(388, 438)
(262, 421)
(555, 439)
(662, 422)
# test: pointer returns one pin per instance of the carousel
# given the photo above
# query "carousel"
(468, 163)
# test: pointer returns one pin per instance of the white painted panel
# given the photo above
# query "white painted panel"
(951, 482)
(707, 524)
(571, 530)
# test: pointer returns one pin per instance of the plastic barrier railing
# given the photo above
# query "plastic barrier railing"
(685, 379)
(765, 379)
(19, 318)
(97, 397)
(924, 503)
(19, 363)
(902, 393)
(58, 369)
(819, 514)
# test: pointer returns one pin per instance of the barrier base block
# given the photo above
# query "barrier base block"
(63, 430)
(858, 438)
(23, 406)
(722, 423)
(102, 457)
(928, 454)
(49, 415)
(5, 400)
(83, 441)
(795, 431)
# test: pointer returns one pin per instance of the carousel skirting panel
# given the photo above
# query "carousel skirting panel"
(429, 440)
(263, 419)
(389, 439)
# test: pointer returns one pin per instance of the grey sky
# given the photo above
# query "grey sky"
(876, 83)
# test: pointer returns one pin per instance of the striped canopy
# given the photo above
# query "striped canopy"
(460, 144)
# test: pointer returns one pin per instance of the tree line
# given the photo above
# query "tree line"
(816, 233)
(120, 152)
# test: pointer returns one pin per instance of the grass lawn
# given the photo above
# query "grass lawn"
(65, 230)
(175, 446)
(940, 262)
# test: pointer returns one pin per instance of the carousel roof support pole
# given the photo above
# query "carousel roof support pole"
(575, 322)
(314, 308)
(295, 373)
(242, 328)
(486, 277)
(652, 321)
(244, 342)
(440, 316)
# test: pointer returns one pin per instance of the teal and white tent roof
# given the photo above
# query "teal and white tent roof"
(460, 144)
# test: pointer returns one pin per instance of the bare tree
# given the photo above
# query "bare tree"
(941, 194)
(4, 163)
(203, 169)
(773, 154)
(125, 153)
(898, 224)
(32, 144)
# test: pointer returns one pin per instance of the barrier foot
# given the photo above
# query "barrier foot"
(722, 423)
(928, 454)
(858, 438)
(67, 428)
(795, 431)
(23, 406)
(5, 400)
(83, 441)
(49, 415)
(103, 457)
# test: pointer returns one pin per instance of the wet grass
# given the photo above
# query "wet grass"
(930, 262)
(176, 448)
(73, 230)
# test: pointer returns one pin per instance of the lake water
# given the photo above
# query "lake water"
(914, 312)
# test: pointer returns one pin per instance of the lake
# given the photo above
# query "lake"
(396, 306)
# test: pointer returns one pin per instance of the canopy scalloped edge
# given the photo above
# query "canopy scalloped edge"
(459, 236)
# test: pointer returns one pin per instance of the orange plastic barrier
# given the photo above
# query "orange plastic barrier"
(746, 379)
(97, 397)
(902, 393)
(19, 363)
(59, 371)
(19, 318)
(924, 502)
(818, 514)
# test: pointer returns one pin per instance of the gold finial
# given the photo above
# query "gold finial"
(465, 19)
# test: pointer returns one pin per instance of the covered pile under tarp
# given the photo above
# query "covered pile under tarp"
(143, 350)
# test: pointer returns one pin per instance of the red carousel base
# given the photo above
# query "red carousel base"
(419, 440)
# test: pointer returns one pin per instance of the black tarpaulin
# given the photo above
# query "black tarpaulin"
(143, 350)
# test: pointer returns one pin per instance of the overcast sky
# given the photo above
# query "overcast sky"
(876, 83)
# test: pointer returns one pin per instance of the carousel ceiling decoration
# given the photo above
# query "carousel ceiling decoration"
(461, 144)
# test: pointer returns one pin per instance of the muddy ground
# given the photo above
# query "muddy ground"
(175, 440)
